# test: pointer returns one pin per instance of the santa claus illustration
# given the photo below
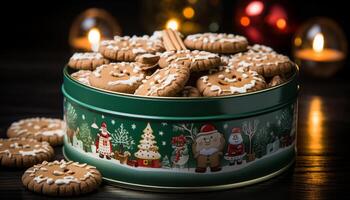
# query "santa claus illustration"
(235, 149)
(207, 148)
(103, 142)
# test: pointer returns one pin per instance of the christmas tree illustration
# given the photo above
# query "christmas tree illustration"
(147, 154)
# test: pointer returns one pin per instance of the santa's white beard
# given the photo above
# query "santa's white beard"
(238, 140)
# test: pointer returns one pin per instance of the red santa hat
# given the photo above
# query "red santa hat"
(235, 131)
(207, 129)
(103, 125)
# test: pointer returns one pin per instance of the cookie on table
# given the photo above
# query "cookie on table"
(118, 77)
(82, 76)
(24, 152)
(266, 64)
(165, 82)
(230, 81)
(197, 60)
(217, 42)
(128, 48)
(61, 178)
(87, 61)
(276, 80)
(41, 129)
(189, 91)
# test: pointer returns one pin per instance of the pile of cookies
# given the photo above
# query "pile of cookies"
(30, 145)
(168, 65)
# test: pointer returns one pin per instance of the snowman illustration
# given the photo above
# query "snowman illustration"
(180, 154)
(103, 142)
(235, 149)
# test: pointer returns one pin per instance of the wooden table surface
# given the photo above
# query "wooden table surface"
(31, 88)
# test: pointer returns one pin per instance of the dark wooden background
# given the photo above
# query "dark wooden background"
(35, 49)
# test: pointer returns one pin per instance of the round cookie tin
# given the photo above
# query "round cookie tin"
(185, 144)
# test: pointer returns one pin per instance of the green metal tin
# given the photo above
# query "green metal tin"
(187, 144)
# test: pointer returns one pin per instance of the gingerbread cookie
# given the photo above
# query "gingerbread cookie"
(230, 81)
(41, 129)
(217, 42)
(189, 91)
(61, 178)
(118, 77)
(127, 48)
(88, 61)
(258, 48)
(266, 64)
(82, 76)
(148, 61)
(197, 60)
(276, 80)
(24, 152)
(165, 82)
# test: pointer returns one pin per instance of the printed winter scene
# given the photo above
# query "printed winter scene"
(202, 147)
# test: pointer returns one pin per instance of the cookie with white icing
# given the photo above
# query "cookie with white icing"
(87, 61)
(259, 48)
(166, 82)
(41, 129)
(230, 81)
(197, 60)
(122, 77)
(267, 64)
(82, 76)
(189, 91)
(61, 178)
(24, 152)
(128, 48)
(217, 42)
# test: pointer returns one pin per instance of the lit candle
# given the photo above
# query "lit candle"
(94, 37)
(318, 53)
(89, 42)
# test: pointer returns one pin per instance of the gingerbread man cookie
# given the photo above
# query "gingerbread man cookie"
(217, 42)
(128, 48)
(165, 82)
(82, 76)
(61, 178)
(41, 129)
(267, 64)
(118, 77)
(198, 60)
(24, 152)
(87, 61)
(230, 81)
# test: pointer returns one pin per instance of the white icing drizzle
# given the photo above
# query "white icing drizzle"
(86, 56)
(216, 37)
(40, 179)
(66, 180)
(80, 165)
(131, 81)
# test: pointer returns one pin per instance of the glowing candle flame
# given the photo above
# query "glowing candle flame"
(94, 37)
(318, 42)
(172, 24)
